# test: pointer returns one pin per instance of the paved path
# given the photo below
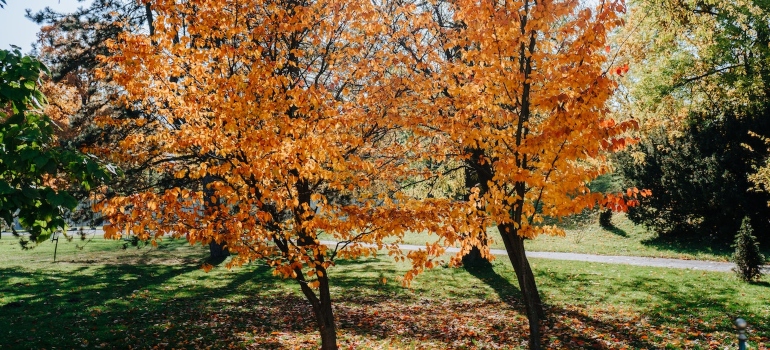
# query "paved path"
(609, 259)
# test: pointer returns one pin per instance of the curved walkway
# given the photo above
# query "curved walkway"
(608, 259)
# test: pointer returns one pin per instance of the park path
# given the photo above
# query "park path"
(608, 259)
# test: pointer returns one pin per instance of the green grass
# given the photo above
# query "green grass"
(101, 296)
(588, 237)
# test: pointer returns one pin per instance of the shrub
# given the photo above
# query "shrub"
(748, 260)
(699, 178)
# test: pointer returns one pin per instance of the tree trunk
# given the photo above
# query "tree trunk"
(325, 316)
(474, 259)
(476, 174)
(217, 251)
(322, 308)
(514, 245)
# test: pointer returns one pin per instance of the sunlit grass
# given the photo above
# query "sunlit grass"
(106, 297)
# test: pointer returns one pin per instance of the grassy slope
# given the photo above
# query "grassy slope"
(102, 296)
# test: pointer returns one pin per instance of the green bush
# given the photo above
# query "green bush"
(699, 178)
(748, 260)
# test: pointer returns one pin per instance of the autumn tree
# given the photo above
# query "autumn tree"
(296, 115)
(70, 44)
(519, 93)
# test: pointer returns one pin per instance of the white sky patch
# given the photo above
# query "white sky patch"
(16, 29)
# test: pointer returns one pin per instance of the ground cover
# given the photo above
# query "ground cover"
(100, 296)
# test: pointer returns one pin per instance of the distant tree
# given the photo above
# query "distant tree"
(700, 85)
(748, 260)
(35, 173)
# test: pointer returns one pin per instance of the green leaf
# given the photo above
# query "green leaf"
(41, 161)
(31, 193)
(5, 188)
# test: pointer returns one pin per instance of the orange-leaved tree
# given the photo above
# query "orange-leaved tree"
(295, 116)
(520, 90)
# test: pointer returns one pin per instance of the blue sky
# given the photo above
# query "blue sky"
(18, 30)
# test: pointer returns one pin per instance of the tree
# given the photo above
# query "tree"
(701, 86)
(695, 174)
(748, 260)
(296, 115)
(519, 92)
(71, 43)
(35, 173)
(694, 57)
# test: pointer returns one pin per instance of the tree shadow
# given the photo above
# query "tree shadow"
(660, 310)
(575, 329)
(690, 245)
(761, 283)
(504, 289)
(616, 231)
(170, 306)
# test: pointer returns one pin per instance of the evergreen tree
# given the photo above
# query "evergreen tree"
(748, 260)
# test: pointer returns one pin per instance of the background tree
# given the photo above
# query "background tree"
(694, 176)
(699, 86)
(296, 116)
(35, 173)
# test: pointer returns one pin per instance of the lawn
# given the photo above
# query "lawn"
(585, 235)
(102, 296)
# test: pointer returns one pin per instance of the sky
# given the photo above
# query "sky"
(18, 30)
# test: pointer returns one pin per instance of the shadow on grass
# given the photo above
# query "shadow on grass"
(673, 310)
(560, 319)
(504, 289)
(690, 245)
(176, 306)
(760, 283)
(616, 231)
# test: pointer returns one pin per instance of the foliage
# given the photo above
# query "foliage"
(519, 92)
(700, 179)
(700, 84)
(295, 118)
(692, 56)
(747, 258)
(34, 171)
